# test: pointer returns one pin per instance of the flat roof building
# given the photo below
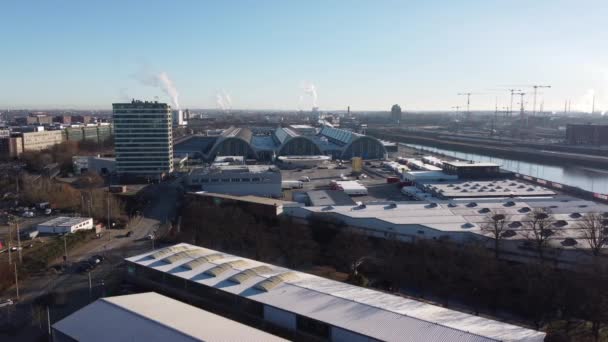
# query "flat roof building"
(306, 306)
(143, 139)
(259, 180)
(148, 317)
(471, 170)
(63, 225)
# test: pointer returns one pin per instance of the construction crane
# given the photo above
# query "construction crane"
(513, 91)
(457, 108)
(521, 108)
(536, 87)
(468, 112)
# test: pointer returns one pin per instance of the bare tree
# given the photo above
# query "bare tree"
(538, 230)
(496, 224)
(594, 227)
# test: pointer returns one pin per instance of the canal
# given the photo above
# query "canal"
(582, 177)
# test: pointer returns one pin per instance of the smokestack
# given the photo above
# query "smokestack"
(348, 111)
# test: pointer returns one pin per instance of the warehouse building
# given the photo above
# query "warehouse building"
(259, 180)
(151, 317)
(307, 307)
(461, 222)
(587, 134)
(260, 207)
(63, 225)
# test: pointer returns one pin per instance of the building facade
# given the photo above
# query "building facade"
(143, 138)
(37, 141)
(259, 180)
(11, 147)
(586, 134)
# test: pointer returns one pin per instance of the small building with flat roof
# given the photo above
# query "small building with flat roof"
(150, 317)
(63, 225)
(471, 170)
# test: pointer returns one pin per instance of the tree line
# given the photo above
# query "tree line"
(564, 302)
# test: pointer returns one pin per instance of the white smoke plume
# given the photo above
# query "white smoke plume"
(585, 103)
(309, 89)
(223, 100)
(161, 80)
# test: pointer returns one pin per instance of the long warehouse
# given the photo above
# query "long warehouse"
(305, 305)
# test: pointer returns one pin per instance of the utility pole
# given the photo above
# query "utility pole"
(593, 104)
(65, 251)
(535, 91)
(18, 241)
(521, 108)
(109, 224)
(16, 281)
(10, 238)
(48, 319)
(90, 288)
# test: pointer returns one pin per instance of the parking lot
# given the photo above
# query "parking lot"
(374, 179)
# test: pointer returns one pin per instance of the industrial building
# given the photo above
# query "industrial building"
(260, 180)
(471, 170)
(63, 225)
(286, 141)
(143, 139)
(303, 306)
(461, 221)
(260, 207)
(97, 164)
(149, 317)
(587, 134)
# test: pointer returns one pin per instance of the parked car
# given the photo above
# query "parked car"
(96, 259)
(28, 214)
(305, 179)
(48, 211)
(6, 302)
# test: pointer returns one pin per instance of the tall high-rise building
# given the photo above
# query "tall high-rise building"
(396, 113)
(143, 138)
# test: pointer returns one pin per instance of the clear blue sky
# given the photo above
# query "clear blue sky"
(366, 54)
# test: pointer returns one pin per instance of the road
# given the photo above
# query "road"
(114, 245)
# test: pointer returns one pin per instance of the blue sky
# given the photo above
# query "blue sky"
(366, 54)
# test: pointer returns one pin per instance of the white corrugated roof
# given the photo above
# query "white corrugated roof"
(364, 311)
(64, 221)
(150, 317)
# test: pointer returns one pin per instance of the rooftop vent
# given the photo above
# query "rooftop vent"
(484, 210)
(568, 242)
(560, 223)
(467, 225)
(509, 204)
(515, 224)
(274, 281)
(392, 205)
(432, 205)
(524, 210)
(243, 276)
(221, 268)
(471, 204)
(202, 260)
(575, 215)
(190, 253)
(508, 233)
(452, 205)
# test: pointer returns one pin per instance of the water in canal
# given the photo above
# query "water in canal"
(583, 177)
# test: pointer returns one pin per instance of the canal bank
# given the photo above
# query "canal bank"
(514, 153)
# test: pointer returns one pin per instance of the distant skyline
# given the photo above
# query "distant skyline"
(286, 55)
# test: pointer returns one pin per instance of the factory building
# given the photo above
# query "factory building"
(260, 207)
(259, 180)
(151, 317)
(143, 139)
(292, 143)
(587, 134)
(63, 225)
(302, 306)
